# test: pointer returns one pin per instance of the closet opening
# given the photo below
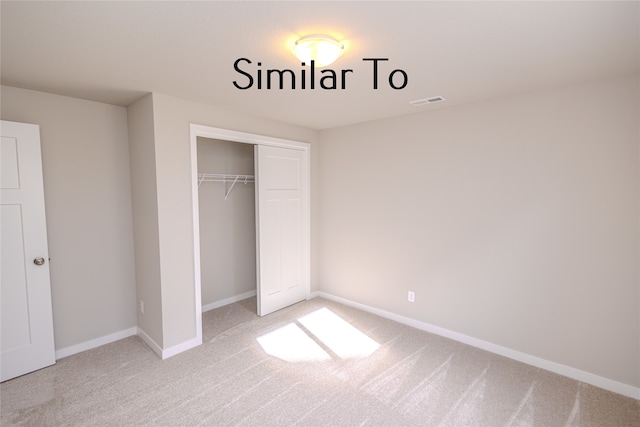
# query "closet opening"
(226, 192)
(251, 220)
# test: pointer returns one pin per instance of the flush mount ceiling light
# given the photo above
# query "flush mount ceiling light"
(323, 50)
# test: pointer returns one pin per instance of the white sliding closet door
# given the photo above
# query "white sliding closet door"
(281, 227)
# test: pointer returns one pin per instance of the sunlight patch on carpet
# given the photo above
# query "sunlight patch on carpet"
(340, 336)
(303, 341)
(290, 343)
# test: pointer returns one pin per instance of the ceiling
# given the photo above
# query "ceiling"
(116, 52)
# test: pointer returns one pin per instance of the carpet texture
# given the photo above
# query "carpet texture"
(317, 363)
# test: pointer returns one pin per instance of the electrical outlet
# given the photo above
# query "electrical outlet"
(141, 306)
(411, 296)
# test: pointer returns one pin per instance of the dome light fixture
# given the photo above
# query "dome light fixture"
(323, 50)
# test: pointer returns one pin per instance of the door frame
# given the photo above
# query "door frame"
(196, 131)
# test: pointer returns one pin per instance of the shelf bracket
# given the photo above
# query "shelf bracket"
(226, 194)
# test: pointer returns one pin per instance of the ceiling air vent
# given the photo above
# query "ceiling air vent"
(425, 101)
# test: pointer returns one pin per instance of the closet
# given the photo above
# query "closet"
(251, 223)
(226, 190)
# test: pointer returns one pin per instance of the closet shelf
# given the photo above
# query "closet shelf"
(225, 178)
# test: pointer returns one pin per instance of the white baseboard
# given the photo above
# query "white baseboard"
(97, 342)
(150, 342)
(176, 349)
(171, 351)
(162, 353)
(567, 371)
(227, 301)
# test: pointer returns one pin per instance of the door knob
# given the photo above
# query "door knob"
(38, 261)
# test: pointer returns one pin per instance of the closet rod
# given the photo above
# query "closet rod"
(225, 177)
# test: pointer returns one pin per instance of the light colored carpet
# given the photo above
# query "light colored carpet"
(285, 369)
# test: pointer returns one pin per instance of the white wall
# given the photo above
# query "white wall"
(85, 158)
(514, 221)
(227, 226)
(145, 219)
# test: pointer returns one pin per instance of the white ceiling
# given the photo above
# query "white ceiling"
(115, 52)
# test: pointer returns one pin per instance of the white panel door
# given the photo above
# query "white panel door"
(26, 340)
(281, 227)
